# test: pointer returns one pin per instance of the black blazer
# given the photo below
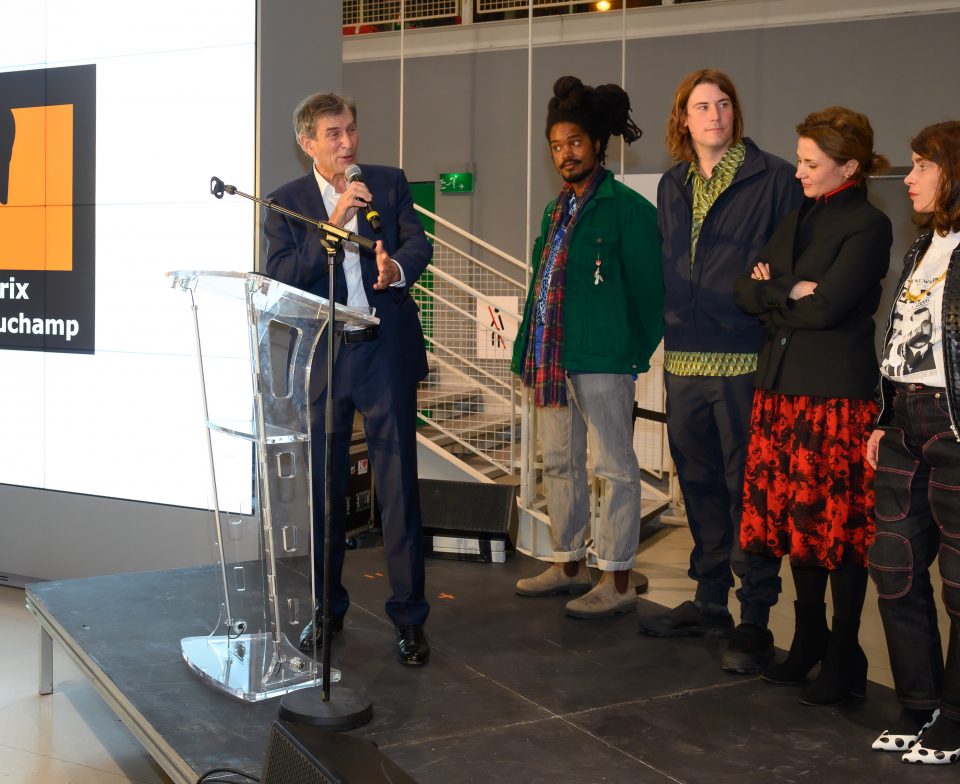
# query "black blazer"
(296, 257)
(821, 345)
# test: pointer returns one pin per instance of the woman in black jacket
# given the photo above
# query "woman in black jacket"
(916, 453)
(807, 489)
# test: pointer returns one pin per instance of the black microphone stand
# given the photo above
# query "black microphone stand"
(348, 709)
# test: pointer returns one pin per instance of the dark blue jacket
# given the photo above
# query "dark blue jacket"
(296, 257)
(699, 310)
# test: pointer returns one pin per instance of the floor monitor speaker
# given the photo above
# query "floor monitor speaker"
(301, 754)
(467, 507)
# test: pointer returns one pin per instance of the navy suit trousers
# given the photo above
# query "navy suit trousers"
(362, 383)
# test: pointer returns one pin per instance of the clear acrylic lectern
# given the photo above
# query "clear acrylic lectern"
(256, 340)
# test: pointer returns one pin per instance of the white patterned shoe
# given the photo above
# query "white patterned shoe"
(921, 754)
(555, 581)
(888, 742)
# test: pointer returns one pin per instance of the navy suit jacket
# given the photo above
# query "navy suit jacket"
(296, 257)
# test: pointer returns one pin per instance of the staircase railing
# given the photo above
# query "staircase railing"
(469, 310)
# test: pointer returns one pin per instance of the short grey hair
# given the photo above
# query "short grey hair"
(318, 105)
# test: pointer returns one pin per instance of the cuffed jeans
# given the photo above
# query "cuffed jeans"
(708, 426)
(599, 412)
(918, 519)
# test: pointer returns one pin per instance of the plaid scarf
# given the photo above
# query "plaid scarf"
(548, 380)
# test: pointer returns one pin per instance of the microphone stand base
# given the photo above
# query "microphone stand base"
(345, 710)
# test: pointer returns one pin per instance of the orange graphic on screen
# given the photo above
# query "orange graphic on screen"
(36, 188)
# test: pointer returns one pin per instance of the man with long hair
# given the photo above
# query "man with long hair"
(716, 208)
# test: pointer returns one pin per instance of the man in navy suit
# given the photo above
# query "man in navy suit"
(376, 369)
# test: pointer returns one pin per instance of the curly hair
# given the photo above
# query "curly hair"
(601, 111)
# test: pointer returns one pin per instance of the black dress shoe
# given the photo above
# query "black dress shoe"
(412, 644)
(750, 650)
(311, 636)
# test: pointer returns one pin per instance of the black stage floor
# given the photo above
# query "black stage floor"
(515, 691)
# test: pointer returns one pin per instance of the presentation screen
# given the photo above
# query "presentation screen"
(113, 117)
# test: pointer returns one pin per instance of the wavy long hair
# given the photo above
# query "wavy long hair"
(679, 143)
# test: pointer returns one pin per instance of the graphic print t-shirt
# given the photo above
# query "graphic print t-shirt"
(914, 353)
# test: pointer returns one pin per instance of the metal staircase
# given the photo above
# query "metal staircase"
(469, 403)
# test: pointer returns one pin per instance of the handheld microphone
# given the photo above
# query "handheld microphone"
(353, 174)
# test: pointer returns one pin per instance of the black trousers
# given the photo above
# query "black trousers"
(708, 426)
(918, 520)
(362, 383)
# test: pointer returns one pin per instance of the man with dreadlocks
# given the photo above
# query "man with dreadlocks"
(592, 319)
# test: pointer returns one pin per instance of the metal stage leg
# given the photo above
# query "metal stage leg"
(46, 662)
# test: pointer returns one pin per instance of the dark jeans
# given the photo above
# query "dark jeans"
(708, 425)
(918, 520)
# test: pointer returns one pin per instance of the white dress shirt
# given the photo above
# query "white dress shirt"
(356, 296)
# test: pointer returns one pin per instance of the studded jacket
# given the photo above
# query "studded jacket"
(951, 331)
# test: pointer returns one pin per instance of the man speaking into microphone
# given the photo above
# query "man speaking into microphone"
(376, 368)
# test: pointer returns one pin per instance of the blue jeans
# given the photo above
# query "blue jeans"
(918, 520)
(599, 411)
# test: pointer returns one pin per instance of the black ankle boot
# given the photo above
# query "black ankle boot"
(809, 645)
(843, 672)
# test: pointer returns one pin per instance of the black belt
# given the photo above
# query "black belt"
(361, 335)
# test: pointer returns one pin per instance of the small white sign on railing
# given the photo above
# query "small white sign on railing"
(497, 326)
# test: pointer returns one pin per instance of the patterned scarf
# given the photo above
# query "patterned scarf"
(706, 192)
(549, 380)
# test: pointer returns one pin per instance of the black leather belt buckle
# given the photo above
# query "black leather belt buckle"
(361, 335)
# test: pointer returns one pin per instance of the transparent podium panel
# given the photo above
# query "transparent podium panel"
(256, 339)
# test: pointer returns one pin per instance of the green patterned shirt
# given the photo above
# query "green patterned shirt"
(708, 363)
(705, 193)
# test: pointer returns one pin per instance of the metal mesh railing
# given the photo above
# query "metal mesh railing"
(484, 9)
(359, 12)
(496, 6)
(649, 435)
(469, 312)
(365, 16)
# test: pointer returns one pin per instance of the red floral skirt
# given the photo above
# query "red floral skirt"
(808, 490)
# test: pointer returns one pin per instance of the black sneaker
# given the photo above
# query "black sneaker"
(686, 620)
(750, 650)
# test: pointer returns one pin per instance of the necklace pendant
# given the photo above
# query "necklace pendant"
(597, 277)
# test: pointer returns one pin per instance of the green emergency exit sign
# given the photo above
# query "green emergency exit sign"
(456, 182)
